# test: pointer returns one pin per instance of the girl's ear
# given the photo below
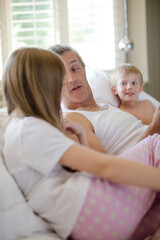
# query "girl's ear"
(114, 90)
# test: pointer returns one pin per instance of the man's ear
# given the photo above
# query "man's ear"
(114, 90)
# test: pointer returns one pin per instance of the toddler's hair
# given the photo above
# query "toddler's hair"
(123, 70)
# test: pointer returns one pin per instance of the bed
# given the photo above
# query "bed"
(100, 84)
(17, 220)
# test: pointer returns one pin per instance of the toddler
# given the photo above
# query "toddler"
(127, 84)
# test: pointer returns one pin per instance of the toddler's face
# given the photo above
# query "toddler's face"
(128, 87)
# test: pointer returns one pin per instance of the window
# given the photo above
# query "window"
(32, 23)
(91, 30)
(92, 27)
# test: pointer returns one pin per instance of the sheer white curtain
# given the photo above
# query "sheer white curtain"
(5, 39)
(94, 29)
(5, 31)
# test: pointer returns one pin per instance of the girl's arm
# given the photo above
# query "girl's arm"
(111, 168)
(93, 140)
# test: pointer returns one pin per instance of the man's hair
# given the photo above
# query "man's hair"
(122, 70)
(32, 81)
(60, 49)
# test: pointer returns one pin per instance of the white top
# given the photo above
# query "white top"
(32, 150)
(116, 129)
(17, 220)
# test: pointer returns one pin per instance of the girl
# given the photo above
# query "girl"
(92, 202)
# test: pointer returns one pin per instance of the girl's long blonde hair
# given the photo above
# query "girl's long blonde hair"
(32, 81)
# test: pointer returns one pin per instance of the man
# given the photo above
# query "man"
(108, 128)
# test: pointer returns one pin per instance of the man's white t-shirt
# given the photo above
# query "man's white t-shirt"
(117, 130)
(32, 150)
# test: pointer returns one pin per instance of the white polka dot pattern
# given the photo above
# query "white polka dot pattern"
(113, 211)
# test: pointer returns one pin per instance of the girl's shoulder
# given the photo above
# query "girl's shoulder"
(30, 128)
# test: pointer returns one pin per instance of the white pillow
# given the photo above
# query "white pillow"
(100, 85)
(4, 119)
(143, 95)
(16, 217)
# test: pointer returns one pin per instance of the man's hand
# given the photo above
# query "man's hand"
(154, 126)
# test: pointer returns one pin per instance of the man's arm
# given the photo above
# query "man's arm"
(93, 140)
(154, 126)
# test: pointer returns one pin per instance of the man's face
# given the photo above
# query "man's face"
(76, 90)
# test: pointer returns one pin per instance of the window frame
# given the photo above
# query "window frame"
(61, 27)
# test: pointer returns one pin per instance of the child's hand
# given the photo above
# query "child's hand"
(71, 128)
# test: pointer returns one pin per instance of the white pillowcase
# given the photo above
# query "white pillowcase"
(100, 85)
(17, 220)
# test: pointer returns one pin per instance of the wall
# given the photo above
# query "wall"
(153, 38)
(144, 31)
